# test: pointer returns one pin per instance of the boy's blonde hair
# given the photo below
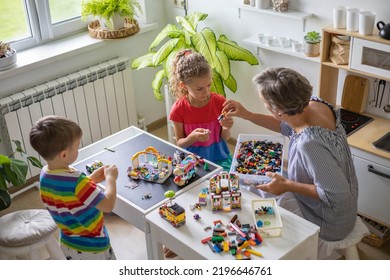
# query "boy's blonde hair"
(187, 64)
(52, 134)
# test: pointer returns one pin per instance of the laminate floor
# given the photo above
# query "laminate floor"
(129, 242)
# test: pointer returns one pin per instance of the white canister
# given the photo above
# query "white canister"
(263, 4)
(252, 3)
(366, 22)
(353, 19)
(339, 17)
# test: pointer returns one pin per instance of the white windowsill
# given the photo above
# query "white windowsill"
(58, 50)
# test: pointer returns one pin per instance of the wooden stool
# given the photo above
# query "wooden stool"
(26, 232)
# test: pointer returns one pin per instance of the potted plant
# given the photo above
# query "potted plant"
(312, 43)
(218, 52)
(13, 171)
(7, 55)
(111, 13)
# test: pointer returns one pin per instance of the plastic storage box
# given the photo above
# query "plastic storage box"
(256, 155)
(267, 217)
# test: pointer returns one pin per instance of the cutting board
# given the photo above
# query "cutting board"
(355, 93)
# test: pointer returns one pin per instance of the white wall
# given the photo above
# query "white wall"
(223, 19)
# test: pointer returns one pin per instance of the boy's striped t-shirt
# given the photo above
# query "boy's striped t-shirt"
(71, 198)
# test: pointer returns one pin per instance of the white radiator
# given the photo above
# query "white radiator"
(100, 99)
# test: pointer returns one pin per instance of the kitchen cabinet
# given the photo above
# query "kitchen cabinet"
(374, 187)
(372, 165)
(329, 71)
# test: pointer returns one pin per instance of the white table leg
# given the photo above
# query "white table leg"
(155, 245)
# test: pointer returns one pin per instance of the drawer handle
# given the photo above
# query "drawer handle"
(372, 170)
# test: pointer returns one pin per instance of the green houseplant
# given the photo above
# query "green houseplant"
(13, 171)
(218, 52)
(312, 43)
(112, 12)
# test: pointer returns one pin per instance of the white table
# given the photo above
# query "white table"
(298, 240)
(124, 208)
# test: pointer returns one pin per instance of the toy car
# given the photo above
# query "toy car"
(93, 166)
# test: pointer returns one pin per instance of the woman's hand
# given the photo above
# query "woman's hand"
(235, 109)
(277, 186)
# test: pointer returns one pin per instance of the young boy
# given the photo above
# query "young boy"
(72, 198)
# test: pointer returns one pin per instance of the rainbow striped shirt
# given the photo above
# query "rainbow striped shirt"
(71, 198)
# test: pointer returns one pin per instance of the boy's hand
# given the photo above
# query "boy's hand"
(98, 175)
(111, 171)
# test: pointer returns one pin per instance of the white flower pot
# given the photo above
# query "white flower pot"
(8, 61)
(117, 21)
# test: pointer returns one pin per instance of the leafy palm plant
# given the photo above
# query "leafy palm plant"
(13, 171)
(218, 52)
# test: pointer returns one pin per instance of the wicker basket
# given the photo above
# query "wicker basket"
(375, 241)
(380, 234)
(280, 5)
(131, 27)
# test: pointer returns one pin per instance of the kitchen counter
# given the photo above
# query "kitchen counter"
(363, 138)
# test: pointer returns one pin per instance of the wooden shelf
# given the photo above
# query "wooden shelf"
(287, 51)
(329, 72)
(293, 14)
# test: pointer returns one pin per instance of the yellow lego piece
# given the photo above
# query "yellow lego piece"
(256, 253)
(226, 246)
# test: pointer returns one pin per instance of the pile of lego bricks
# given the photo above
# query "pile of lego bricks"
(256, 157)
(245, 237)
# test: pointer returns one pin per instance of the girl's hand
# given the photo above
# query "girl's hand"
(200, 134)
(226, 122)
(277, 185)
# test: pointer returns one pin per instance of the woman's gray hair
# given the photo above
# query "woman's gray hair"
(284, 89)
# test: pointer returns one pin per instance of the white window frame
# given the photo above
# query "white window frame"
(41, 27)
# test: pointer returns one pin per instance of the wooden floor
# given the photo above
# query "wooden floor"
(129, 242)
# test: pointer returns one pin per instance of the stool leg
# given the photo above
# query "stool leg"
(351, 253)
(54, 249)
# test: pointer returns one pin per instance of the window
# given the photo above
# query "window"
(26, 23)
